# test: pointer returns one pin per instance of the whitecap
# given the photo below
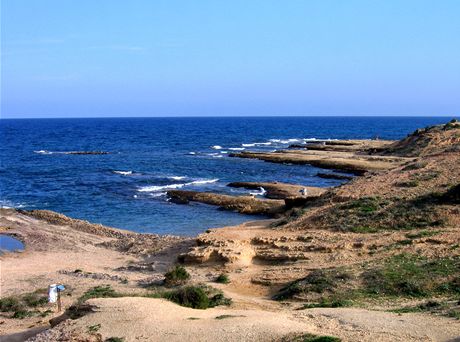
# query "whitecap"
(43, 152)
(224, 152)
(6, 204)
(192, 153)
(124, 173)
(237, 148)
(158, 194)
(263, 143)
(156, 188)
(261, 192)
(248, 145)
(203, 181)
(216, 147)
(177, 177)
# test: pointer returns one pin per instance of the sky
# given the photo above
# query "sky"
(104, 58)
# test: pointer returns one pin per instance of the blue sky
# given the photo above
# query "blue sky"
(64, 58)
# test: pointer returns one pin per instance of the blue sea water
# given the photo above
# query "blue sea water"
(148, 156)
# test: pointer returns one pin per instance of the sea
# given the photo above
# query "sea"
(126, 188)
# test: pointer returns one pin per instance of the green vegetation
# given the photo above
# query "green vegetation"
(409, 184)
(25, 305)
(114, 339)
(223, 279)
(403, 275)
(415, 166)
(94, 328)
(197, 297)
(228, 316)
(445, 308)
(373, 214)
(310, 338)
(328, 303)
(318, 281)
(104, 291)
(178, 275)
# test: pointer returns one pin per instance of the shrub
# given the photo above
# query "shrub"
(223, 279)
(104, 291)
(178, 275)
(190, 296)
(197, 297)
(310, 338)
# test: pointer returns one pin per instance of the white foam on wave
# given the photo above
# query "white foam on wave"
(261, 192)
(236, 148)
(248, 145)
(218, 156)
(123, 173)
(224, 152)
(156, 188)
(177, 177)
(263, 143)
(216, 147)
(158, 194)
(43, 152)
(6, 204)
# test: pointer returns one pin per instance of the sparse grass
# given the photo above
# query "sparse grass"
(415, 166)
(445, 308)
(328, 303)
(422, 234)
(408, 184)
(318, 281)
(178, 275)
(94, 328)
(103, 291)
(310, 338)
(223, 279)
(228, 316)
(372, 214)
(410, 276)
(403, 275)
(24, 305)
(114, 339)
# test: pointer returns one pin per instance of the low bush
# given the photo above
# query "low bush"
(178, 275)
(223, 279)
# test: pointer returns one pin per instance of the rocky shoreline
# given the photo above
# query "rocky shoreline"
(373, 259)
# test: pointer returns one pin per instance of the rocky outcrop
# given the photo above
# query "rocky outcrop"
(241, 204)
(277, 190)
(346, 161)
(344, 145)
(333, 176)
(428, 141)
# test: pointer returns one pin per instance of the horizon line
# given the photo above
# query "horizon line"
(229, 116)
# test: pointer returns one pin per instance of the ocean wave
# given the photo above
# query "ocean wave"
(6, 204)
(158, 194)
(177, 177)
(237, 148)
(71, 152)
(216, 147)
(192, 153)
(156, 188)
(263, 143)
(261, 192)
(43, 152)
(124, 173)
(248, 145)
